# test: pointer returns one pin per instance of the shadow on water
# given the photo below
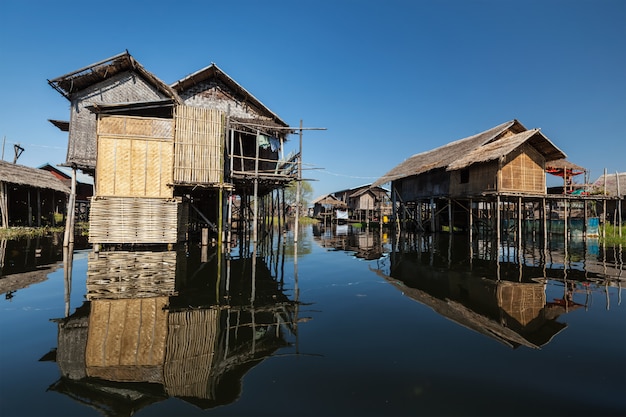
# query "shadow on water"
(186, 323)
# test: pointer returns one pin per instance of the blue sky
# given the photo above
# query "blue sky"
(387, 79)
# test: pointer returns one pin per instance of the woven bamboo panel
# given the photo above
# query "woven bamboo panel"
(137, 127)
(523, 171)
(135, 157)
(199, 138)
(191, 346)
(137, 220)
(126, 340)
(126, 274)
(523, 302)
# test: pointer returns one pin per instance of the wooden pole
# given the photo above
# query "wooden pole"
(619, 206)
(471, 231)
(69, 220)
(498, 224)
(38, 207)
(256, 195)
(298, 185)
(431, 209)
(450, 225)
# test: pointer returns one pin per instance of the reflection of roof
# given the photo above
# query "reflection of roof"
(14, 282)
(481, 323)
(111, 399)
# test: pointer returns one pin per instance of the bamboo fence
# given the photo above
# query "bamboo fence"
(191, 347)
(137, 220)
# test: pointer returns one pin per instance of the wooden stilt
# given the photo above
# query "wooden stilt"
(69, 221)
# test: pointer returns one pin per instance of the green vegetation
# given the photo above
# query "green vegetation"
(307, 220)
(28, 232)
(611, 234)
(81, 229)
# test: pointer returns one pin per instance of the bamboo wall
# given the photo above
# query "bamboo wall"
(523, 171)
(482, 177)
(125, 87)
(199, 151)
(430, 184)
(137, 220)
(126, 340)
(135, 156)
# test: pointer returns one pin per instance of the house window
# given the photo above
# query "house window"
(465, 176)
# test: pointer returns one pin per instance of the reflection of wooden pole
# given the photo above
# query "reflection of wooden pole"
(68, 258)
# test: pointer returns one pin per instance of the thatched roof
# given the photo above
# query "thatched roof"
(38, 178)
(78, 80)
(611, 184)
(503, 147)
(328, 200)
(563, 164)
(503, 138)
(241, 94)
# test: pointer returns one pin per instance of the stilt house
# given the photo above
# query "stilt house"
(506, 160)
(158, 151)
(365, 202)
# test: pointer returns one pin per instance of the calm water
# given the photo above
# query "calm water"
(359, 323)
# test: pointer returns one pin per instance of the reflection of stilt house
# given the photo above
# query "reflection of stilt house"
(136, 332)
(158, 151)
(487, 181)
(513, 313)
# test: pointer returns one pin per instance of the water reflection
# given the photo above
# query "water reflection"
(29, 260)
(364, 243)
(187, 323)
(514, 292)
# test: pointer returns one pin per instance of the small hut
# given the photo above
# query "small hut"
(30, 196)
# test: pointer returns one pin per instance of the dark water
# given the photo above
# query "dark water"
(359, 323)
